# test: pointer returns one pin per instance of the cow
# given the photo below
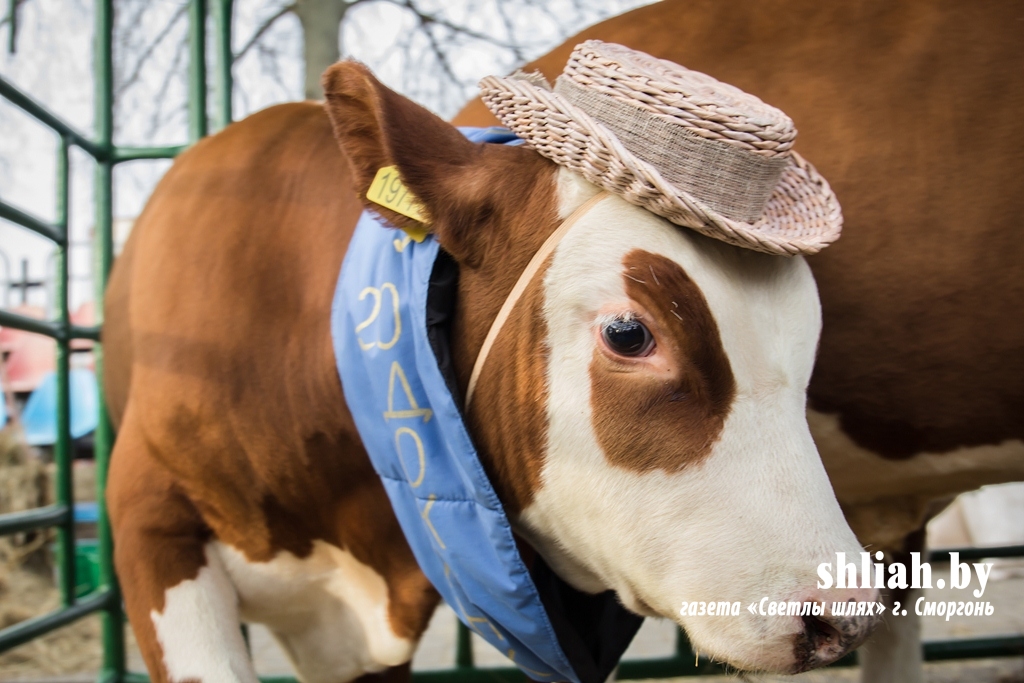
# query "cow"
(240, 488)
(909, 109)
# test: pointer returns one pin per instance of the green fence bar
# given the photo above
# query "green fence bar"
(121, 154)
(23, 322)
(36, 518)
(30, 222)
(30, 629)
(974, 648)
(470, 675)
(48, 328)
(976, 553)
(85, 332)
(37, 111)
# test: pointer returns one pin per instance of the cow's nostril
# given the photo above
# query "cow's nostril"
(820, 634)
(825, 639)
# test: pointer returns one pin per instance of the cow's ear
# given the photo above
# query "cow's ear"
(378, 128)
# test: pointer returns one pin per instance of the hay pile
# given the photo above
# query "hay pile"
(26, 574)
(24, 484)
(74, 649)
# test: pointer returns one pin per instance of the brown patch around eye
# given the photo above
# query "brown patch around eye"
(644, 422)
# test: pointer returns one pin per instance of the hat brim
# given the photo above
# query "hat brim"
(802, 215)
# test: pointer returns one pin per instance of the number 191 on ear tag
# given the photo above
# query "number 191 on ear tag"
(388, 190)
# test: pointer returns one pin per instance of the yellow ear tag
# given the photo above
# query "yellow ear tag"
(388, 190)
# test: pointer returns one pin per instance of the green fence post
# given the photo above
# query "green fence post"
(62, 449)
(12, 25)
(113, 616)
(197, 124)
(463, 647)
(222, 10)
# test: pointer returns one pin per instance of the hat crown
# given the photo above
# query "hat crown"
(699, 152)
(712, 109)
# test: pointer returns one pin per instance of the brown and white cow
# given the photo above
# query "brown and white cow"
(911, 110)
(239, 488)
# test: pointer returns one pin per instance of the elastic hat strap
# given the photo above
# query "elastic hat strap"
(521, 284)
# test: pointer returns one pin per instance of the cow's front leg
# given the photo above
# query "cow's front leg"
(182, 606)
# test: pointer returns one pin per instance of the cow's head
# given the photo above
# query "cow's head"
(642, 412)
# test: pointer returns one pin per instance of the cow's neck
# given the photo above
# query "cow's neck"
(508, 419)
(529, 216)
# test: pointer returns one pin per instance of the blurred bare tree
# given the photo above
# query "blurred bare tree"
(438, 30)
(434, 48)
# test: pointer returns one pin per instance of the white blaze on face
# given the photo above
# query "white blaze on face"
(751, 518)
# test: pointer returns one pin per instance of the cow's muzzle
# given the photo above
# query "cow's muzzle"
(826, 638)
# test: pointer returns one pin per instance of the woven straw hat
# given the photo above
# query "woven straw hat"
(701, 153)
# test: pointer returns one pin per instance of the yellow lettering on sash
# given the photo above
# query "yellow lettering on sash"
(377, 295)
(420, 457)
(401, 244)
(426, 518)
(512, 657)
(414, 409)
(471, 621)
(485, 620)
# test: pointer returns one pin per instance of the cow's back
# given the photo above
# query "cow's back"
(245, 190)
(911, 110)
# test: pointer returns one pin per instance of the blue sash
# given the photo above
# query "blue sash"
(412, 429)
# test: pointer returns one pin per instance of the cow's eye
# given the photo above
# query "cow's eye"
(627, 337)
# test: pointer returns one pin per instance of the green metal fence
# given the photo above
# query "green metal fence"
(106, 599)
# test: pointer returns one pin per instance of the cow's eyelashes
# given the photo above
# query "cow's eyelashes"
(627, 336)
